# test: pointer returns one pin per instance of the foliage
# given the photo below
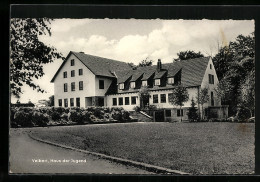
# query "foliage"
(27, 53)
(152, 107)
(137, 109)
(50, 102)
(145, 62)
(184, 55)
(76, 117)
(55, 116)
(203, 98)
(243, 114)
(179, 96)
(193, 112)
(39, 118)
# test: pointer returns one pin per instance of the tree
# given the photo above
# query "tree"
(28, 54)
(145, 62)
(184, 55)
(192, 112)
(203, 98)
(50, 102)
(179, 96)
(144, 95)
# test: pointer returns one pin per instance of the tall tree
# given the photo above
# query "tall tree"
(179, 96)
(203, 98)
(28, 54)
(50, 102)
(184, 55)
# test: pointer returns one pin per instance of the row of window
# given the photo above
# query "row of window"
(73, 86)
(101, 85)
(72, 73)
(72, 104)
(157, 82)
(162, 98)
(120, 101)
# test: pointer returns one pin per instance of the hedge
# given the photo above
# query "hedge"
(44, 116)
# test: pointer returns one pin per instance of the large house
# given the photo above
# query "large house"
(84, 80)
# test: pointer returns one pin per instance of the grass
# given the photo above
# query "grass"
(197, 148)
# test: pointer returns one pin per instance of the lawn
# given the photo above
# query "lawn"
(197, 148)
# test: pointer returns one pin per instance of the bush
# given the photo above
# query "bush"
(125, 115)
(99, 113)
(251, 120)
(117, 115)
(137, 109)
(64, 117)
(39, 118)
(152, 107)
(86, 116)
(55, 116)
(76, 117)
(243, 114)
(22, 118)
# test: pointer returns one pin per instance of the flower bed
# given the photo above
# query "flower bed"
(54, 116)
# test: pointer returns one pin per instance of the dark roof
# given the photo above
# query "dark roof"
(97, 65)
(192, 71)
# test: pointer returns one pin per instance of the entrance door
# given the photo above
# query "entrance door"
(100, 101)
(159, 116)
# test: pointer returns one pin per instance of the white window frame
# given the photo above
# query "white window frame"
(121, 86)
(157, 82)
(170, 80)
(132, 84)
(144, 83)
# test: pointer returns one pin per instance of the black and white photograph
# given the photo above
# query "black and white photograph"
(132, 96)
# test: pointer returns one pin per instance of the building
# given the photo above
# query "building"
(85, 80)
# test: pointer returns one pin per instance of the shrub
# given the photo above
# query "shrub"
(99, 113)
(125, 115)
(39, 118)
(55, 116)
(116, 115)
(76, 117)
(64, 116)
(86, 116)
(251, 120)
(137, 109)
(23, 118)
(243, 114)
(92, 118)
(192, 112)
(152, 107)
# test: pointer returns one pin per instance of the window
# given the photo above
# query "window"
(144, 83)
(163, 98)
(120, 100)
(157, 82)
(101, 84)
(155, 98)
(65, 74)
(65, 87)
(170, 96)
(212, 98)
(114, 101)
(72, 73)
(133, 100)
(73, 86)
(60, 102)
(126, 100)
(171, 80)
(80, 71)
(78, 102)
(71, 102)
(80, 85)
(72, 62)
(168, 113)
(179, 112)
(211, 79)
(121, 86)
(210, 66)
(132, 85)
(65, 102)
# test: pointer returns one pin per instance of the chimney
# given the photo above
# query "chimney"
(159, 65)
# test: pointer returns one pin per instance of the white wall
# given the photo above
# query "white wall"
(107, 83)
(88, 79)
(211, 87)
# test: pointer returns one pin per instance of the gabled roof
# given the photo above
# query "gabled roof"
(97, 65)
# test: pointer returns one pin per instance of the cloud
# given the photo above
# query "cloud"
(65, 25)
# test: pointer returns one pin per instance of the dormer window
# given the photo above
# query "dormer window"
(132, 85)
(171, 80)
(121, 86)
(144, 83)
(157, 82)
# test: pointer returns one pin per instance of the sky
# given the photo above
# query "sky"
(132, 40)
